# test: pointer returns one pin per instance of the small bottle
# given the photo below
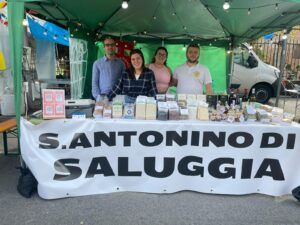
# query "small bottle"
(226, 107)
(245, 98)
(218, 106)
(252, 97)
(231, 97)
(237, 97)
(241, 103)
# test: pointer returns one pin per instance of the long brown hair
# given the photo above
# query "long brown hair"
(156, 51)
(131, 68)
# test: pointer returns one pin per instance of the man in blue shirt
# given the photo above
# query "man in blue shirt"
(106, 70)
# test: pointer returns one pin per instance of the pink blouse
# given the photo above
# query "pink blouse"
(162, 77)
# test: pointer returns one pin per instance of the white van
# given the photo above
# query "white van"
(250, 72)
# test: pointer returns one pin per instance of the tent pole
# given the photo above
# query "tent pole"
(231, 70)
(16, 33)
(282, 64)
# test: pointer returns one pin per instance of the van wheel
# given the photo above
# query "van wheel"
(262, 93)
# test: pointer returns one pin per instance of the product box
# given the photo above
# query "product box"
(191, 97)
(162, 111)
(151, 109)
(140, 107)
(117, 109)
(53, 104)
(201, 98)
(202, 112)
(128, 111)
(161, 97)
(181, 99)
(82, 106)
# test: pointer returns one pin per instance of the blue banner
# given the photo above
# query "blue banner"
(47, 31)
(269, 36)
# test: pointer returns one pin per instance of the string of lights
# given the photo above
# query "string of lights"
(228, 5)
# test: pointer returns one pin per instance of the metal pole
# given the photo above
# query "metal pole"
(231, 68)
(282, 64)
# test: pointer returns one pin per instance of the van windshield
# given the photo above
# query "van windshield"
(243, 57)
(240, 56)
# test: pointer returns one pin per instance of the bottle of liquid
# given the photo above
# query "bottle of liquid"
(252, 97)
(245, 98)
(237, 98)
(231, 97)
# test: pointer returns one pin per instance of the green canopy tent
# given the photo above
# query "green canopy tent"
(156, 21)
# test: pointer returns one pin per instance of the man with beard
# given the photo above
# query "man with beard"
(191, 76)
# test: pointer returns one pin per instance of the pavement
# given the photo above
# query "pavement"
(130, 208)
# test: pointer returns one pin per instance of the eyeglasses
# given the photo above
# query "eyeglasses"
(112, 44)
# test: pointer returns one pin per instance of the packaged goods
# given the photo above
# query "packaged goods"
(120, 98)
(170, 97)
(230, 116)
(263, 116)
(277, 115)
(191, 97)
(98, 112)
(174, 110)
(192, 112)
(202, 111)
(140, 107)
(151, 109)
(184, 113)
(117, 110)
(161, 97)
(251, 113)
(107, 111)
(238, 115)
(201, 98)
(162, 111)
(128, 111)
(181, 99)
(288, 117)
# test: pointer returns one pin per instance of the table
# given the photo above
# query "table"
(8, 125)
(84, 157)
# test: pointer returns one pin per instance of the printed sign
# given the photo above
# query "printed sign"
(53, 104)
(84, 157)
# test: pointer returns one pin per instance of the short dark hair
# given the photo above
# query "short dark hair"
(193, 45)
(108, 38)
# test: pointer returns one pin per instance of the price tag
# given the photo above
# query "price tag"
(78, 116)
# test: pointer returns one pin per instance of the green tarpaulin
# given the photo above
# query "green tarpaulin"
(209, 56)
(157, 21)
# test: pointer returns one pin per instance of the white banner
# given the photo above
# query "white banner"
(83, 157)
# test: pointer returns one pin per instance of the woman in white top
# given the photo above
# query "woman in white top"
(161, 71)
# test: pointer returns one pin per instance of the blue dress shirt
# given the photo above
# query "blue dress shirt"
(105, 74)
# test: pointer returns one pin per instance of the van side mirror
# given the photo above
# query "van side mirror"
(252, 61)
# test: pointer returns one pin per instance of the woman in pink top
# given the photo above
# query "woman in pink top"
(161, 71)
